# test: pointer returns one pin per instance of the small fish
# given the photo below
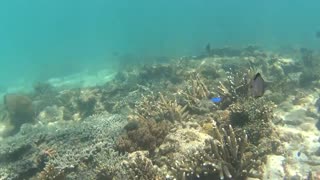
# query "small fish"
(298, 153)
(208, 48)
(257, 86)
(216, 99)
(317, 104)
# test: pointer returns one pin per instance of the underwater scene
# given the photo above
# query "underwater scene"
(159, 90)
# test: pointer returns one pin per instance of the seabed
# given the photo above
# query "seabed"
(157, 121)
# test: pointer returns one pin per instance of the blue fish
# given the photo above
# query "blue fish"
(216, 99)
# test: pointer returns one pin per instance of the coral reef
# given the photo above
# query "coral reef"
(196, 95)
(147, 136)
(139, 166)
(159, 108)
(255, 117)
(20, 111)
(173, 129)
(222, 156)
(63, 149)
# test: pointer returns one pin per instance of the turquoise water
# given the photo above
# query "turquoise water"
(40, 39)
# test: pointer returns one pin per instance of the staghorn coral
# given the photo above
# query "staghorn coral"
(147, 109)
(159, 108)
(235, 87)
(172, 110)
(197, 89)
(237, 84)
(226, 156)
(196, 95)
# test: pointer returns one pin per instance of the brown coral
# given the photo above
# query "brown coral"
(147, 136)
(20, 110)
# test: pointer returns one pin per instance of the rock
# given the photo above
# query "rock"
(51, 114)
(178, 145)
(295, 117)
(274, 169)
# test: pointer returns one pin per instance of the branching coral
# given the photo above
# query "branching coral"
(159, 108)
(225, 156)
(236, 84)
(229, 151)
(197, 89)
(172, 110)
(196, 95)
